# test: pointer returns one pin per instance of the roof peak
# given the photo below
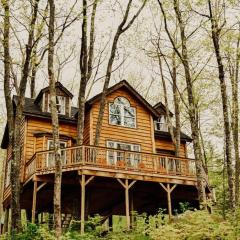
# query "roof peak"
(57, 85)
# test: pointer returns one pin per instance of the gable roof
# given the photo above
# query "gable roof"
(161, 108)
(167, 135)
(124, 84)
(58, 85)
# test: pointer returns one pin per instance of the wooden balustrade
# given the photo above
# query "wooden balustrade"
(111, 158)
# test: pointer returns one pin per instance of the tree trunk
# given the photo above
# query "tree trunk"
(215, 30)
(55, 124)
(235, 119)
(121, 29)
(14, 125)
(176, 101)
(191, 102)
(86, 58)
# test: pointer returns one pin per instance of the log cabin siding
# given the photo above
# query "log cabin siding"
(86, 132)
(36, 125)
(141, 135)
(168, 145)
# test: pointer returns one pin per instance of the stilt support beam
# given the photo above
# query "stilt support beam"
(36, 189)
(127, 187)
(83, 183)
(34, 201)
(169, 190)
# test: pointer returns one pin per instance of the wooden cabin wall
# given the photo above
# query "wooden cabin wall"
(141, 135)
(86, 133)
(59, 92)
(37, 125)
(168, 145)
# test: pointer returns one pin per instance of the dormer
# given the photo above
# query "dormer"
(160, 123)
(63, 99)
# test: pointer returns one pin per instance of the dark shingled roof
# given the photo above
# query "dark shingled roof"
(162, 134)
(32, 109)
(160, 107)
(59, 85)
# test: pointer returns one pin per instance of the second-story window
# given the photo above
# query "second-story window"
(121, 113)
(61, 104)
(161, 124)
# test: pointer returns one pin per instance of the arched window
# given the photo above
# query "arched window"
(121, 113)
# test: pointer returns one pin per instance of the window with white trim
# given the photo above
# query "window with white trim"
(121, 113)
(131, 159)
(8, 171)
(61, 104)
(50, 158)
(161, 124)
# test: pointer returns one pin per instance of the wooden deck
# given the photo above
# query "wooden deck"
(108, 162)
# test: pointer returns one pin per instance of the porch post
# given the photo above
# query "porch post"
(127, 186)
(169, 190)
(82, 203)
(127, 204)
(34, 201)
(131, 210)
(169, 201)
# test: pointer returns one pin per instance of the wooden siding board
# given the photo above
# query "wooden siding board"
(140, 135)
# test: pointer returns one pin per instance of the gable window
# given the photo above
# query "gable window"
(50, 158)
(61, 104)
(161, 124)
(121, 113)
(129, 158)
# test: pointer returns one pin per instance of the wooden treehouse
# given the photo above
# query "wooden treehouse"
(132, 169)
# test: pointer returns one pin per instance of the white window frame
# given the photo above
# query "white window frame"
(8, 171)
(64, 160)
(122, 115)
(161, 124)
(133, 160)
(62, 107)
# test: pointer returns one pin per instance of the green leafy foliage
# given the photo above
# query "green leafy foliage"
(190, 225)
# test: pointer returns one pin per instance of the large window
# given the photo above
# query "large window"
(129, 158)
(161, 124)
(50, 158)
(61, 104)
(121, 113)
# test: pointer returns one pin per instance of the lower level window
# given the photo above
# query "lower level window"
(50, 159)
(119, 155)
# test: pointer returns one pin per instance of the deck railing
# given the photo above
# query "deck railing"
(111, 158)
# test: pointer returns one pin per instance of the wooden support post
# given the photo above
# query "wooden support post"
(34, 201)
(169, 201)
(131, 210)
(169, 190)
(127, 186)
(6, 220)
(127, 204)
(82, 202)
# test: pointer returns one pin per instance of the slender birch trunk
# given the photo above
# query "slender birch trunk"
(215, 31)
(120, 30)
(55, 123)
(192, 111)
(86, 59)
